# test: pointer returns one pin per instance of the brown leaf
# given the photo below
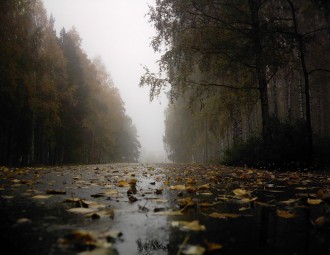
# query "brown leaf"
(224, 215)
(285, 214)
(210, 246)
(191, 181)
(320, 221)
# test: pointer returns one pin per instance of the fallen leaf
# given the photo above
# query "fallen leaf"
(264, 204)
(184, 201)
(247, 200)
(188, 225)
(82, 210)
(169, 213)
(193, 250)
(7, 197)
(314, 201)
(204, 187)
(289, 201)
(122, 183)
(224, 215)
(82, 239)
(191, 181)
(161, 200)
(178, 187)
(320, 221)
(41, 196)
(191, 189)
(301, 188)
(285, 214)
(240, 192)
(210, 246)
(112, 192)
(23, 221)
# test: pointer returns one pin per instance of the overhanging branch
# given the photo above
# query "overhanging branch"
(221, 85)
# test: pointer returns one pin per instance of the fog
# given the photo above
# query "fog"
(118, 31)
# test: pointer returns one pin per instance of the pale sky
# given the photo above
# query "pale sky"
(118, 31)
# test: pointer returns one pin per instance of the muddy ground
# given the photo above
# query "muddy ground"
(163, 209)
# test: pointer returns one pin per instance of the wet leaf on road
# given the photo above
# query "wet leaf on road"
(178, 187)
(188, 225)
(314, 201)
(41, 196)
(285, 214)
(224, 215)
(193, 250)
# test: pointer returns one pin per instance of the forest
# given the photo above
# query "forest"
(248, 80)
(57, 106)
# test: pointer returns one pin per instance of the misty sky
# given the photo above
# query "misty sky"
(119, 32)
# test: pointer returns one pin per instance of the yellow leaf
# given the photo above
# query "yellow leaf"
(41, 196)
(285, 214)
(178, 187)
(240, 192)
(314, 201)
(169, 213)
(112, 192)
(189, 225)
(248, 200)
(184, 201)
(290, 201)
(223, 215)
(204, 187)
(122, 183)
(193, 250)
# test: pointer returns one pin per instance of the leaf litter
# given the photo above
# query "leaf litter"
(189, 194)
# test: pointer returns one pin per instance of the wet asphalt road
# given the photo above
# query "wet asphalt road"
(139, 209)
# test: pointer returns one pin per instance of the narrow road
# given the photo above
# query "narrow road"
(163, 209)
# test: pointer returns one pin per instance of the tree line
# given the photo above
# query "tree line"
(249, 79)
(57, 106)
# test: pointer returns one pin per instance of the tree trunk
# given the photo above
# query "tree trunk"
(260, 70)
(300, 44)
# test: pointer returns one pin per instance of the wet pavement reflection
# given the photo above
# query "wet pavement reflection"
(163, 209)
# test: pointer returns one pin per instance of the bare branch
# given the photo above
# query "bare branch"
(221, 85)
